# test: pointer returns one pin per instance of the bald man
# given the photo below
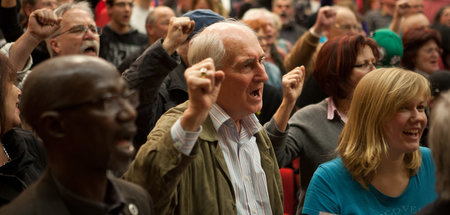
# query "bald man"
(86, 122)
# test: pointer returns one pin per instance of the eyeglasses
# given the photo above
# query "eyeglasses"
(123, 4)
(348, 27)
(365, 66)
(80, 30)
(431, 50)
(108, 101)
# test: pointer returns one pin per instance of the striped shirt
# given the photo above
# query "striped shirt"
(241, 156)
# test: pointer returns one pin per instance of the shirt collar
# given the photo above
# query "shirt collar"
(219, 118)
(332, 109)
(114, 201)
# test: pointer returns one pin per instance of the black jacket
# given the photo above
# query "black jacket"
(27, 163)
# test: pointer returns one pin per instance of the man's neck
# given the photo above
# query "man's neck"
(87, 184)
(387, 9)
(119, 29)
(144, 4)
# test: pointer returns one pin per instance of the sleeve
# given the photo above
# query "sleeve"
(146, 74)
(302, 53)
(321, 196)
(286, 145)
(184, 140)
(21, 75)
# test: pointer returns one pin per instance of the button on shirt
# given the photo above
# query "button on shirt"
(241, 156)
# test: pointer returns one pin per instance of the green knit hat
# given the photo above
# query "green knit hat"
(390, 47)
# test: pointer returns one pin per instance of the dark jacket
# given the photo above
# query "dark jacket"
(147, 74)
(26, 165)
(47, 196)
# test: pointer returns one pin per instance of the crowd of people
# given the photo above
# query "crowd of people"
(192, 107)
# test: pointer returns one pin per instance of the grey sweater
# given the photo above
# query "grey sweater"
(310, 136)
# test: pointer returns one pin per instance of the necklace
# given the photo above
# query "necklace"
(7, 156)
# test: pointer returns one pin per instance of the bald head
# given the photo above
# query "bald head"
(62, 81)
(346, 23)
(220, 36)
(416, 20)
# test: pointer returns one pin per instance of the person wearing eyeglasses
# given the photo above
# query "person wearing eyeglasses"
(77, 32)
(119, 39)
(312, 132)
(86, 123)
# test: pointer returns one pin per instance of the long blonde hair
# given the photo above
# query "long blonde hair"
(377, 97)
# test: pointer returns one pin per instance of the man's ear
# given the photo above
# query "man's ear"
(55, 46)
(51, 124)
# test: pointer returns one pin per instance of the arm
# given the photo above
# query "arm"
(42, 23)
(401, 8)
(285, 149)
(292, 88)
(155, 63)
(148, 72)
(159, 164)
(304, 48)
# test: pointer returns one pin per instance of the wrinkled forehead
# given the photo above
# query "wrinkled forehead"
(345, 17)
(76, 17)
(241, 46)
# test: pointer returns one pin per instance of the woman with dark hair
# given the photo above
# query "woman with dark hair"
(381, 168)
(442, 16)
(22, 157)
(313, 131)
(422, 50)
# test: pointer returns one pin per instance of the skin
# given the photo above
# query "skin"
(120, 13)
(414, 21)
(160, 28)
(343, 18)
(11, 107)
(241, 92)
(82, 141)
(445, 17)
(68, 43)
(415, 6)
(427, 59)
(365, 56)
(285, 10)
(202, 4)
(404, 129)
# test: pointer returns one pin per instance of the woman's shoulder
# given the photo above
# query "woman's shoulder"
(426, 152)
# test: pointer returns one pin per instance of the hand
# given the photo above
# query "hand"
(42, 23)
(401, 8)
(293, 84)
(179, 30)
(203, 90)
(292, 88)
(326, 17)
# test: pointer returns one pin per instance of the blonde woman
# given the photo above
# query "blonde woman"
(381, 168)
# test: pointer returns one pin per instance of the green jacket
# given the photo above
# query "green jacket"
(199, 183)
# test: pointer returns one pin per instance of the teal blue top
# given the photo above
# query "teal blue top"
(333, 190)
